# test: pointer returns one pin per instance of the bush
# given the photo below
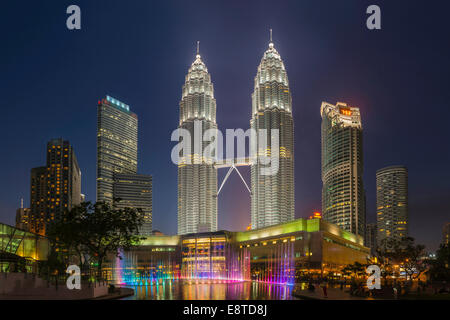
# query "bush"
(111, 288)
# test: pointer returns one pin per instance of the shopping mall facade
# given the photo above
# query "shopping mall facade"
(283, 253)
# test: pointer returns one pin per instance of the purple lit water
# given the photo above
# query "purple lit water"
(211, 290)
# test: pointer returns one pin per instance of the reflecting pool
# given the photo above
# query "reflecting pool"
(211, 290)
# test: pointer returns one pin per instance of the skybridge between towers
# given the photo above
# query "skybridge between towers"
(232, 164)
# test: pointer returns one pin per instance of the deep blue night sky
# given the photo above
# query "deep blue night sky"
(139, 52)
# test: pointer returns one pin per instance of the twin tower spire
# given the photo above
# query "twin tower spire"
(272, 196)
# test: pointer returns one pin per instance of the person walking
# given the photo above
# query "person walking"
(311, 286)
(324, 287)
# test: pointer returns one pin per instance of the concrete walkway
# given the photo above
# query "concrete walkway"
(119, 294)
(333, 294)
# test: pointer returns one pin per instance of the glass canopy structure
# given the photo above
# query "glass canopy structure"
(18, 245)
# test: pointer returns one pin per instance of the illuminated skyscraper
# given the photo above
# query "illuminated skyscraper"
(117, 144)
(23, 217)
(135, 191)
(370, 240)
(343, 195)
(117, 129)
(55, 188)
(392, 203)
(272, 194)
(38, 200)
(446, 234)
(197, 181)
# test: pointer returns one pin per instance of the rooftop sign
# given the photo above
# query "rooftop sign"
(118, 103)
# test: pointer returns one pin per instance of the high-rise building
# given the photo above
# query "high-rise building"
(117, 139)
(272, 200)
(135, 191)
(392, 203)
(63, 178)
(38, 200)
(446, 234)
(370, 240)
(197, 176)
(117, 159)
(343, 195)
(23, 219)
(56, 187)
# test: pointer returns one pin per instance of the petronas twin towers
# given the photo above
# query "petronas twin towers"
(272, 195)
(197, 177)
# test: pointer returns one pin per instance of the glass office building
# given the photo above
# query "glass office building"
(117, 140)
(343, 195)
(135, 191)
(117, 159)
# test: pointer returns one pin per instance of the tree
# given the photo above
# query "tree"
(384, 258)
(409, 256)
(96, 230)
(383, 262)
(53, 265)
(356, 269)
(440, 267)
(70, 232)
(108, 230)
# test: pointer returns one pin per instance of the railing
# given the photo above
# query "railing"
(90, 278)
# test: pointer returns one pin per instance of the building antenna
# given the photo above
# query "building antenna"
(21, 203)
(198, 48)
(271, 36)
